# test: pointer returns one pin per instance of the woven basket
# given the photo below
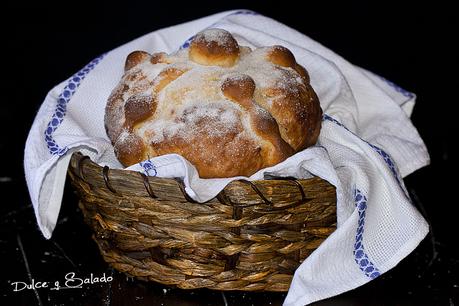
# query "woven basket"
(251, 237)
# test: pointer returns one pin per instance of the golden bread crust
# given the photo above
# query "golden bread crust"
(227, 109)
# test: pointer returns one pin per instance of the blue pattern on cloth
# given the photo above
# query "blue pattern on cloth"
(149, 167)
(61, 107)
(397, 88)
(360, 256)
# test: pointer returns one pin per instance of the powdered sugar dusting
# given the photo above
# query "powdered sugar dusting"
(151, 71)
(123, 137)
(263, 113)
(218, 36)
(126, 142)
(266, 74)
(214, 120)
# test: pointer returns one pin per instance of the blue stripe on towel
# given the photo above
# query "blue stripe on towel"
(386, 157)
(360, 257)
(61, 108)
(149, 167)
(397, 88)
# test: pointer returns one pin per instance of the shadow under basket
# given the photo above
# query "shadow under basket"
(251, 237)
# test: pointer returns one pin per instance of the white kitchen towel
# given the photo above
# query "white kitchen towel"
(366, 146)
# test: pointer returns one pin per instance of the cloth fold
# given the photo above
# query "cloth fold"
(366, 146)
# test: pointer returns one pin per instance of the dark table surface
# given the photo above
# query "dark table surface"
(412, 46)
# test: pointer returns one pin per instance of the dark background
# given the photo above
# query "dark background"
(413, 46)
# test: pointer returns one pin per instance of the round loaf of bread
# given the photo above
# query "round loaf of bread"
(227, 109)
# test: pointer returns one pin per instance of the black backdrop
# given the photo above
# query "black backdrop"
(414, 46)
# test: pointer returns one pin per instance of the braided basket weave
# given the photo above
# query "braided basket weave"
(251, 237)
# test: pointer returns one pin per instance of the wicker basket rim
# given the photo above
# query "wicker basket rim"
(88, 170)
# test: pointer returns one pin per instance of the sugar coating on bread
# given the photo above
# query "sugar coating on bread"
(227, 109)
